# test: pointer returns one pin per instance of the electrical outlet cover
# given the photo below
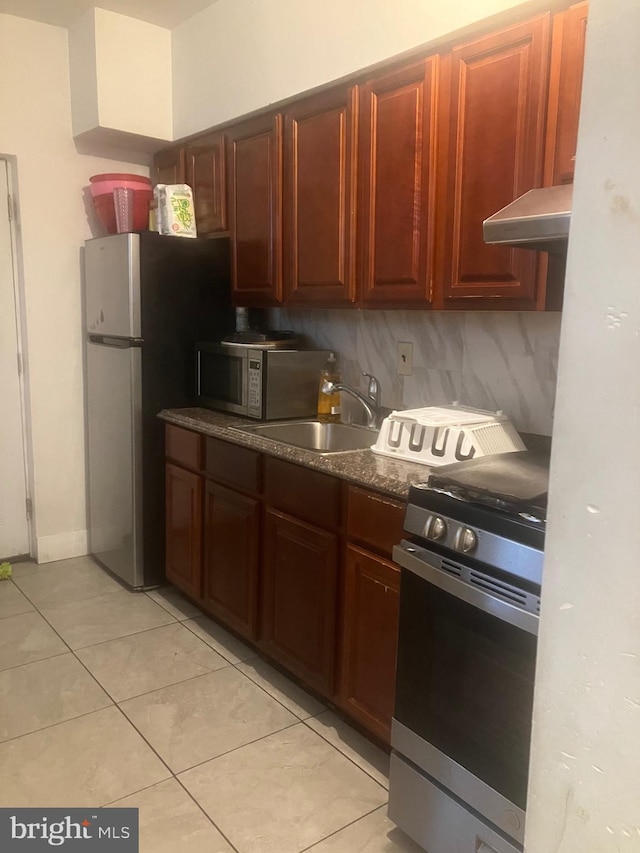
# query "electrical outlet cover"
(405, 359)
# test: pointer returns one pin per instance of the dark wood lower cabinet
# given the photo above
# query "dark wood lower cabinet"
(292, 560)
(231, 554)
(299, 598)
(184, 529)
(371, 596)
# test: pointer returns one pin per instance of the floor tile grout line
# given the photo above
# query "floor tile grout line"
(173, 684)
(137, 791)
(173, 778)
(155, 751)
(233, 663)
(148, 594)
(275, 698)
(116, 704)
(11, 615)
(137, 634)
(341, 829)
(122, 636)
(70, 600)
(37, 660)
(345, 755)
(59, 723)
(208, 816)
(236, 748)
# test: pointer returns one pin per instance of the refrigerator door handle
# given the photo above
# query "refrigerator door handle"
(114, 341)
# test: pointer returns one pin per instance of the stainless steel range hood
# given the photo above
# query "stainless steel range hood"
(539, 219)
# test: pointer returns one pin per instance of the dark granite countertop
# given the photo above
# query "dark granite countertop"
(362, 467)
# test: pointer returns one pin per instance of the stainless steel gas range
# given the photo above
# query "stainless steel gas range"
(470, 596)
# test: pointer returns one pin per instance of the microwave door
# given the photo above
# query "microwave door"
(222, 380)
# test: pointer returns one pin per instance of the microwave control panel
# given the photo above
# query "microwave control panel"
(254, 400)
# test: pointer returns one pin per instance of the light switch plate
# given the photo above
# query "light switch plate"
(405, 359)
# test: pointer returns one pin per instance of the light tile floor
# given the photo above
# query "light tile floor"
(109, 697)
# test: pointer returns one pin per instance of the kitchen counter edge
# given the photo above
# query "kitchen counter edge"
(361, 467)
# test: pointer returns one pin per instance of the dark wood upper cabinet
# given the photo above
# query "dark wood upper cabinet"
(231, 556)
(184, 529)
(169, 166)
(319, 193)
(255, 207)
(565, 90)
(494, 95)
(205, 169)
(396, 203)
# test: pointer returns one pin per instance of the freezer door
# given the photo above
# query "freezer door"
(112, 285)
(114, 430)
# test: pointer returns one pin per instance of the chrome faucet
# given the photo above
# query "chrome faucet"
(370, 403)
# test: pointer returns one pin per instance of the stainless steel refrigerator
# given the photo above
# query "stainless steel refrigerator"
(148, 299)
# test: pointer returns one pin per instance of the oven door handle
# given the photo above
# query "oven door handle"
(404, 557)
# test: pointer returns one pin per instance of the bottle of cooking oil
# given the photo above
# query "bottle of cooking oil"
(329, 404)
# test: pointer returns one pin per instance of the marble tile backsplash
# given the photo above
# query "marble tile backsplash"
(492, 360)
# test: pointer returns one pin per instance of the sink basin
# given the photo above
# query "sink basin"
(315, 436)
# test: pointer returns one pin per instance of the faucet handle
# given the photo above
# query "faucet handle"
(373, 389)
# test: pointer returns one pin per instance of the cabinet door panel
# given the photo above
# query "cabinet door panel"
(231, 548)
(206, 177)
(371, 599)
(169, 166)
(183, 446)
(320, 198)
(236, 466)
(397, 184)
(309, 495)
(299, 598)
(498, 88)
(375, 520)
(184, 529)
(565, 90)
(255, 204)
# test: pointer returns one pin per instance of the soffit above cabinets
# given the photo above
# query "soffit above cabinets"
(63, 13)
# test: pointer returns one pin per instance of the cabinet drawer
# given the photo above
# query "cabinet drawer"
(184, 447)
(234, 465)
(305, 494)
(374, 520)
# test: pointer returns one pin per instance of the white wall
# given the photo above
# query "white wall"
(240, 55)
(120, 76)
(83, 73)
(584, 784)
(36, 128)
(133, 61)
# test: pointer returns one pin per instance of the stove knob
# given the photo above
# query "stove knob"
(438, 529)
(465, 541)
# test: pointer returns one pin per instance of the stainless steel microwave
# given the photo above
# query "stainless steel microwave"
(257, 382)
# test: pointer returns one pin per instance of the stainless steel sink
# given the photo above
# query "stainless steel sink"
(315, 436)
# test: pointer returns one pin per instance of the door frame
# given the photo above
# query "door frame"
(21, 334)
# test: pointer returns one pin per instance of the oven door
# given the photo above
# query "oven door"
(464, 691)
(221, 378)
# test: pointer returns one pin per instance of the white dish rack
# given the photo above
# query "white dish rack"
(440, 435)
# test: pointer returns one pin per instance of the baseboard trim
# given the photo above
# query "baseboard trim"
(62, 546)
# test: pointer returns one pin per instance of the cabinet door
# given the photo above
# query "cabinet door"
(371, 597)
(255, 201)
(396, 205)
(496, 112)
(206, 177)
(169, 166)
(319, 198)
(300, 570)
(231, 548)
(565, 89)
(184, 529)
